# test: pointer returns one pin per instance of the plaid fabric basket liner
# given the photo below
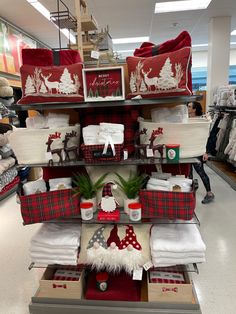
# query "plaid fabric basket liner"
(49, 205)
(167, 205)
(161, 280)
(89, 150)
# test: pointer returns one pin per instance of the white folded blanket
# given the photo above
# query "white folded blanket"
(158, 182)
(157, 187)
(54, 261)
(165, 262)
(54, 256)
(6, 164)
(117, 138)
(33, 187)
(51, 251)
(111, 127)
(58, 236)
(60, 184)
(175, 255)
(90, 134)
(176, 238)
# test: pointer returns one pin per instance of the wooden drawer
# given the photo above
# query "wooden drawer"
(59, 288)
(168, 292)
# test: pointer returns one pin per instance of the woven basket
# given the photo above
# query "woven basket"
(29, 145)
(191, 136)
(93, 153)
(48, 205)
(168, 205)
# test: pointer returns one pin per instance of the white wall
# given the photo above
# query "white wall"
(199, 58)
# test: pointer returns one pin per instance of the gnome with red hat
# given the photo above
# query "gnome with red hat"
(108, 202)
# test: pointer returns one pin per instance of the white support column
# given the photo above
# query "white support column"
(218, 54)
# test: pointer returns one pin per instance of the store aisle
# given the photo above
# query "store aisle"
(215, 284)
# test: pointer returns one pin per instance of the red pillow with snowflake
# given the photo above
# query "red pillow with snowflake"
(164, 75)
(42, 84)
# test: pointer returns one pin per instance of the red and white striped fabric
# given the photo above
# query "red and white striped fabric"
(162, 276)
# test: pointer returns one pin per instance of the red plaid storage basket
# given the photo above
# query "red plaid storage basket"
(48, 205)
(167, 205)
(93, 153)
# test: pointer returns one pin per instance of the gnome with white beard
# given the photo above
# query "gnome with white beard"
(108, 202)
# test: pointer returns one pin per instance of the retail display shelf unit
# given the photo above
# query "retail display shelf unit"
(127, 162)
(80, 105)
(42, 305)
(124, 219)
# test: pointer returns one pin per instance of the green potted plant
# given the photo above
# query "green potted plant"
(84, 187)
(131, 188)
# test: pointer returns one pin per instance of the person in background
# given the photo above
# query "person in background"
(195, 110)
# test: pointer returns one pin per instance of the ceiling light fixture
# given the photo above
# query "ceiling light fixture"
(130, 40)
(175, 6)
(233, 32)
(46, 13)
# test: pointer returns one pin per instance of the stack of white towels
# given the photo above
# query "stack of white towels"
(184, 184)
(56, 244)
(100, 134)
(176, 244)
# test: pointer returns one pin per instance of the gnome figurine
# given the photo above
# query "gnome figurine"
(108, 202)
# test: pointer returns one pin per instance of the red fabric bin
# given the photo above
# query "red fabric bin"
(49, 205)
(168, 205)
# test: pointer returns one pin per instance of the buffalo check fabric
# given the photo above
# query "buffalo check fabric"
(66, 274)
(49, 205)
(166, 275)
(169, 205)
(93, 153)
(124, 115)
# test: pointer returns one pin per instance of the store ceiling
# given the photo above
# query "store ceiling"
(126, 18)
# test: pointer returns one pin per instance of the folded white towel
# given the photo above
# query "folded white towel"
(111, 127)
(183, 181)
(54, 261)
(60, 184)
(36, 249)
(164, 262)
(157, 254)
(90, 134)
(54, 256)
(176, 238)
(158, 182)
(6, 164)
(34, 187)
(58, 235)
(117, 138)
(157, 188)
(57, 120)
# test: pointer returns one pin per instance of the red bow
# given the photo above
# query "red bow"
(170, 289)
(58, 286)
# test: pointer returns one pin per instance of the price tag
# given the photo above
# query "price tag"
(126, 154)
(48, 155)
(0, 116)
(148, 265)
(95, 54)
(138, 274)
(149, 152)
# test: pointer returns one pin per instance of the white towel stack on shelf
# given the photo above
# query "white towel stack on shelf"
(176, 244)
(184, 184)
(56, 244)
(100, 134)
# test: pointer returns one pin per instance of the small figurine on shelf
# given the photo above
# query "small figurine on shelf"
(140, 149)
(157, 147)
(50, 151)
(72, 149)
(108, 204)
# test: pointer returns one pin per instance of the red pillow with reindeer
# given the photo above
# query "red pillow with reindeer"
(42, 84)
(163, 75)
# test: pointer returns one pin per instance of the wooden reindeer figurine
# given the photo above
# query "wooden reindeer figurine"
(57, 151)
(67, 149)
(140, 149)
(158, 147)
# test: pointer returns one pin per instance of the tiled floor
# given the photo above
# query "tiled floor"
(215, 285)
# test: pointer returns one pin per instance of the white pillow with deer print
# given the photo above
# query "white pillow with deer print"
(60, 184)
